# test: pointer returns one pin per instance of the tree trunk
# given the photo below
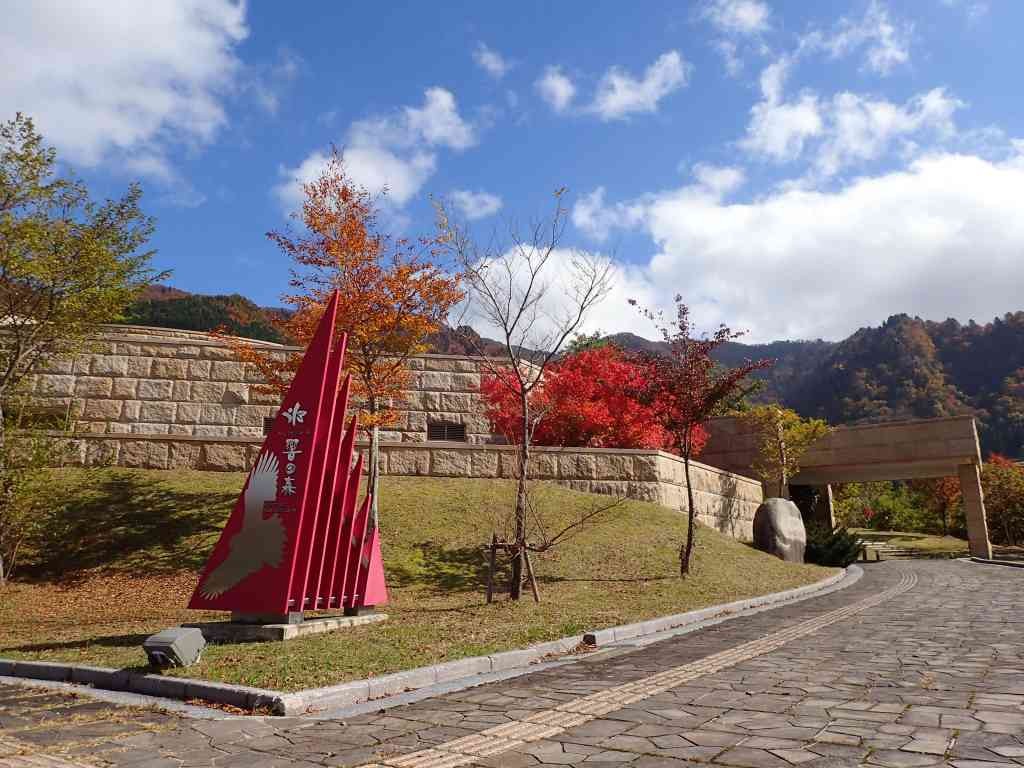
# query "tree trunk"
(686, 551)
(519, 550)
(373, 481)
(783, 478)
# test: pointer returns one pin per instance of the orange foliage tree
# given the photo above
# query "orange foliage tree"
(392, 295)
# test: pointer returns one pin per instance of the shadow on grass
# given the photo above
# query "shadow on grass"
(110, 641)
(128, 522)
(441, 568)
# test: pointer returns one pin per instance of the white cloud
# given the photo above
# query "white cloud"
(556, 89)
(619, 94)
(738, 17)
(396, 152)
(780, 266)
(851, 127)
(475, 205)
(886, 43)
(739, 25)
(107, 80)
(491, 62)
(592, 216)
(862, 128)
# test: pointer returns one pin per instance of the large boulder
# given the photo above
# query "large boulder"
(779, 530)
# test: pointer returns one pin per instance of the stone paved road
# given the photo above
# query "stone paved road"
(920, 663)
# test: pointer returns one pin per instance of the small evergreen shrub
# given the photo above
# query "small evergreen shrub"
(835, 547)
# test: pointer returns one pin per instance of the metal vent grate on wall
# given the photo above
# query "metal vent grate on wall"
(268, 424)
(442, 431)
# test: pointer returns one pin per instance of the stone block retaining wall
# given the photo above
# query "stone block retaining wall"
(724, 500)
(154, 381)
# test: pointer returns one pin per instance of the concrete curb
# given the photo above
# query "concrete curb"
(360, 691)
(986, 561)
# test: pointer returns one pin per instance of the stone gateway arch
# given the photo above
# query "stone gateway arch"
(898, 450)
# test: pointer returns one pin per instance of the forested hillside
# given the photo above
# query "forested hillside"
(167, 307)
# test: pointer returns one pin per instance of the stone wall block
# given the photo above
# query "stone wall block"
(646, 468)
(188, 413)
(102, 410)
(180, 429)
(207, 391)
(108, 365)
(245, 432)
(92, 386)
(456, 401)
(155, 389)
(130, 410)
(139, 367)
(148, 428)
(435, 381)
(217, 353)
(408, 462)
(102, 453)
(614, 466)
(199, 369)
(217, 414)
(451, 463)
(125, 389)
(182, 391)
(56, 364)
(465, 382)
(252, 374)
(485, 464)
(157, 411)
(187, 351)
(54, 385)
(227, 371)
(210, 430)
(577, 466)
(544, 465)
(144, 454)
(164, 368)
(118, 428)
(81, 365)
(223, 457)
(236, 394)
(184, 455)
(258, 396)
(253, 415)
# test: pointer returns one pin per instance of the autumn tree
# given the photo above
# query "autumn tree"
(67, 263)
(392, 295)
(783, 438)
(535, 294)
(685, 387)
(588, 398)
(1003, 482)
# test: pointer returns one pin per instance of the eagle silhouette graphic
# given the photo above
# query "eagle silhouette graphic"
(260, 542)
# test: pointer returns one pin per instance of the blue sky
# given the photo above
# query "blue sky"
(794, 169)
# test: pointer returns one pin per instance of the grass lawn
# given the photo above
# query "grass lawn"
(927, 544)
(124, 557)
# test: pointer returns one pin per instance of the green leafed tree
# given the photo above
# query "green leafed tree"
(783, 439)
(67, 262)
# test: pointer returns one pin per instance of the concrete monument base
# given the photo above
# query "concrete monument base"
(279, 628)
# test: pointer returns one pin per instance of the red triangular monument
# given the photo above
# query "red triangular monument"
(295, 541)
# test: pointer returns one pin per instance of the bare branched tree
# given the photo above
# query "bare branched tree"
(511, 284)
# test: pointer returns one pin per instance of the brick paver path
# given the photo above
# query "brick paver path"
(920, 663)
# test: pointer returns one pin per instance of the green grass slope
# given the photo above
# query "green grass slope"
(125, 546)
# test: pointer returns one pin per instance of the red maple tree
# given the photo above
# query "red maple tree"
(684, 387)
(588, 399)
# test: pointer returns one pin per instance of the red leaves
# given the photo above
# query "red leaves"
(588, 399)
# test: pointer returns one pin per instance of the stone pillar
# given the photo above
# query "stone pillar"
(974, 509)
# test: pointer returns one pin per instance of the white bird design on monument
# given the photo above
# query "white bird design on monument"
(260, 542)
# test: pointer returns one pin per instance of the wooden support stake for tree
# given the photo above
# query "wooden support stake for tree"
(533, 578)
(491, 566)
